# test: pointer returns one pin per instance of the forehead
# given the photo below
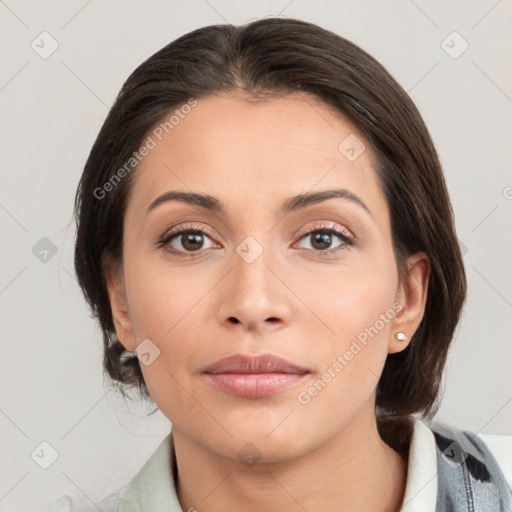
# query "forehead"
(264, 152)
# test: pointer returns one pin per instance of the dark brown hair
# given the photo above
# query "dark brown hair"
(275, 56)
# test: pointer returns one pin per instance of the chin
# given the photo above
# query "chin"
(268, 444)
(251, 451)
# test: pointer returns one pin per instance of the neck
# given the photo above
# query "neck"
(355, 470)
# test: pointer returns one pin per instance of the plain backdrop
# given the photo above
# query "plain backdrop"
(52, 107)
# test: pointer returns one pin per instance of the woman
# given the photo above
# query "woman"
(266, 238)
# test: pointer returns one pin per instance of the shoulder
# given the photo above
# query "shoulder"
(469, 478)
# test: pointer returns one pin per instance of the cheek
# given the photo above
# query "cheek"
(349, 367)
(353, 297)
(164, 308)
(355, 303)
(159, 299)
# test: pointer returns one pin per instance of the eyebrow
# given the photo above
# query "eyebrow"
(290, 205)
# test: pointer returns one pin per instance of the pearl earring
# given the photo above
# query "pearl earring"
(400, 336)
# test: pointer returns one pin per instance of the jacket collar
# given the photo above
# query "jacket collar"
(469, 477)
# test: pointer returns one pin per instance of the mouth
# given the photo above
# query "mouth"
(254, 376)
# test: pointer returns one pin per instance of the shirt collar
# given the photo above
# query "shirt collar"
(153, 486)
(421, 486)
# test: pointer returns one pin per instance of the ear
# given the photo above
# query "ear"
(412, 296)
(119, 305)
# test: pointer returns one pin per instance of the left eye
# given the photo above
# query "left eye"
(321, 239)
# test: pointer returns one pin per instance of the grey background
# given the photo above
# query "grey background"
(52, 388)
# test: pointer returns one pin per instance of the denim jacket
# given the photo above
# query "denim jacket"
(469, 478)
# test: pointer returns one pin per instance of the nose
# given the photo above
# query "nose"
(254, 296)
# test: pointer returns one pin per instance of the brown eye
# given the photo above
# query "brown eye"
(192, 241)
(323, 238)
(186, 241)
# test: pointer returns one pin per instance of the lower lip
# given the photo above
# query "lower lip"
(254, 385)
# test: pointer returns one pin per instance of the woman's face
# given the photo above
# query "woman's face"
(258, 274)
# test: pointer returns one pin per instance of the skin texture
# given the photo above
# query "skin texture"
(290, 301)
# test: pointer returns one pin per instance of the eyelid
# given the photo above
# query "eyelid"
(327, 225)
(188, 227)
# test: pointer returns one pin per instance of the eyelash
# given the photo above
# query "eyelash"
(326, 227)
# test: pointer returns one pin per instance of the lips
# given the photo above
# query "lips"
(254, 376)
(265, 363)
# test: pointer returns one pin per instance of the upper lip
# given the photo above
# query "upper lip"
(264, 363)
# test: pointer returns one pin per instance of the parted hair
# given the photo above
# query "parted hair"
(273, 57)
